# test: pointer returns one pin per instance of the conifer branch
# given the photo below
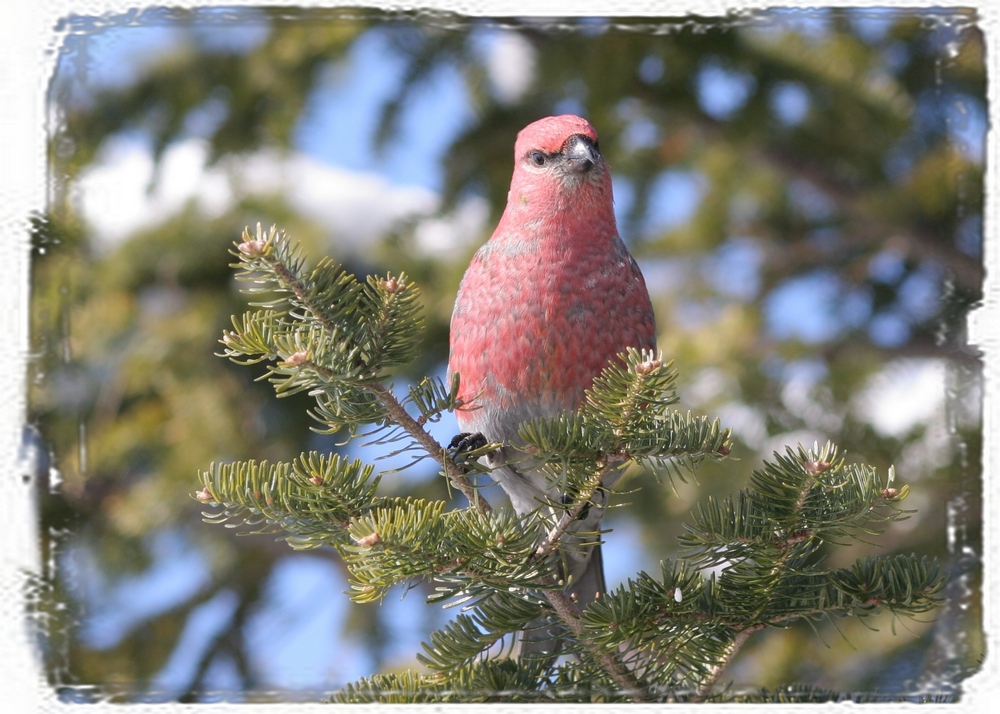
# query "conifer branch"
(569, 614)
(720, 665)
(324, 333)
(551, 540)
(787, 541)
(267, 259)
(453, 472)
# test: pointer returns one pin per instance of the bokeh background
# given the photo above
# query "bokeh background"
(802, 188)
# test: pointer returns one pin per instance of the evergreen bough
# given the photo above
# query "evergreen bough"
(750, 561)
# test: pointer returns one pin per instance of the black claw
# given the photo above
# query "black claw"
(465, 442)
(566, 499)
(462, 444)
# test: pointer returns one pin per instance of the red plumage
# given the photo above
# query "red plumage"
(546, 303)
(553, 296)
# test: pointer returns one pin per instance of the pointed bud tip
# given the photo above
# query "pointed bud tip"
(252, 248)
(816, 467)
(391, 285)
(369, 540)
(648, 366)
(297, 358)
(204, 495)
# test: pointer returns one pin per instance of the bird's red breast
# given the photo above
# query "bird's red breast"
(554, 295)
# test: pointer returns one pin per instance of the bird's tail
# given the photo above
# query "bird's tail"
(543, 639)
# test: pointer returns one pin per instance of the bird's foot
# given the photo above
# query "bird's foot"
(465, 442)
(567, 500)
(599, 498)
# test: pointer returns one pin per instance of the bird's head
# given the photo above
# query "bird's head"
(561, 148)
(561, 185)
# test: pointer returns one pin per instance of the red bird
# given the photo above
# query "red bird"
(546, 304)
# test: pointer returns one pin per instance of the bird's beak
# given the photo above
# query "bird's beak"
(580, 154)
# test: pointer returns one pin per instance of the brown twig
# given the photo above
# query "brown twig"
(452, 471)
(569, 614)
(550, 542)
(705, 688)
(394, 409)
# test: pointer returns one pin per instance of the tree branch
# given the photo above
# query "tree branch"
(569, 614)
(453, 472)
(395, 410)
(550, 542)
(705, 688)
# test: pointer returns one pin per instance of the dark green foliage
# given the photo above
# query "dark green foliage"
(325, 332)
(626, 417)
(312, 498)
(798, 499)
(649, 640)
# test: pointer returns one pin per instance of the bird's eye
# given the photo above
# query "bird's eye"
(537, 158)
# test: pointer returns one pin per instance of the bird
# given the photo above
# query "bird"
(549, 301)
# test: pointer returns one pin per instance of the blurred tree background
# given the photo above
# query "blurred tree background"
(804, 192)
